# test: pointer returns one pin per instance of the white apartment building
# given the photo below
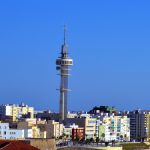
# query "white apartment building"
(115, 128)
(7, 133)
(16, 111)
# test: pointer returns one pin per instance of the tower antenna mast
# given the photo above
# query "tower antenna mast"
(62, 65)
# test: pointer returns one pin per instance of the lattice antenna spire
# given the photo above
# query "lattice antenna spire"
(65, 30)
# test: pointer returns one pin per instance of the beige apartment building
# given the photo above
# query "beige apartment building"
(42, 128)
(147, 126)
(31, 124)
(55, 129)
(90, 128)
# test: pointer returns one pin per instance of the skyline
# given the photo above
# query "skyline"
(109, 44)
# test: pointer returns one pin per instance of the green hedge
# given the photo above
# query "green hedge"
(132, 146)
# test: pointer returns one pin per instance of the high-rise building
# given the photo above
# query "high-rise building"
(16, 111)
(137, 125)
(114, 128)
(63, 63)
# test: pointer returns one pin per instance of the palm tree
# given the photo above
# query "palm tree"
(64, 137)
(95, 136)
(97, 140)
(91, 140)
(86, 136)
(103, 136)
(70, 137)
(77, 138)
(67, 136)
(60, 137)
(121, 137)
(125, 137)
(110, 136)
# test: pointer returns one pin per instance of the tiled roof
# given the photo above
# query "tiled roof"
(15, 145)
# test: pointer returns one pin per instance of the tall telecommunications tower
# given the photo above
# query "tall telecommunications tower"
(62, 64)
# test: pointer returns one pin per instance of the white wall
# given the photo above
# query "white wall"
(28, 133)
(6, 133)
(8, 110)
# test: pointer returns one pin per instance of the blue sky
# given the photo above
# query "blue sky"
(108, 40)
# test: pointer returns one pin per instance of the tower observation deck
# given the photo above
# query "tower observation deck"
(62, 65)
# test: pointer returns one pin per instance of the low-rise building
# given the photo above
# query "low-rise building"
(88, 123)
(47, 115)
(15, 145)
(7, 133)
(68, 130)
(31, 129)
(78, 133)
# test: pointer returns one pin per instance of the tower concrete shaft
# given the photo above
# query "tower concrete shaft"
(62, 65)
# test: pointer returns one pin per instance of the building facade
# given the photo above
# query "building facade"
(7, 133)
(56, 129)
(78, 134)
(115, 128)
(16, 111)
(138, 127)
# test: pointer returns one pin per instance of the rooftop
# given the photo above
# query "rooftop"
(15, 145)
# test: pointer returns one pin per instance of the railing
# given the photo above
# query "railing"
(91, 145)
